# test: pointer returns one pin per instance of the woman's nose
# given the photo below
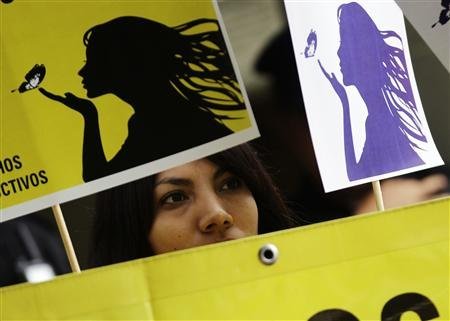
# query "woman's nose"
(81, 71)
(217, 219)
(339, 52)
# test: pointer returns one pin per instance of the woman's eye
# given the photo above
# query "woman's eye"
(174, 198)
(231, 184)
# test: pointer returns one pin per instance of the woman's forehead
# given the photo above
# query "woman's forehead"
(199, 168)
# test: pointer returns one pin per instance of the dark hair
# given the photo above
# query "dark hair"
(192, 55)
(125, 213)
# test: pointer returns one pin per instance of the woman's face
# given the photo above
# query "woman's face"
(96, 74)
(199, 203)
(345, 56)
(359, 51)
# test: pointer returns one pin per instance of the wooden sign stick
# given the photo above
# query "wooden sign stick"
(378, 195)
(66, 238)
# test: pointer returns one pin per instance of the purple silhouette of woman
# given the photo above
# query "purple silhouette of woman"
(378, 71)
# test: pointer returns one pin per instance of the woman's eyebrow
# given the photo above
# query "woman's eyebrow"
(219, 172)
(174, 181)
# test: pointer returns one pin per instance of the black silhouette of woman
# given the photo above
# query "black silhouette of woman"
(176, 81)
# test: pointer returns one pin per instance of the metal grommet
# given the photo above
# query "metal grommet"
(268, 254)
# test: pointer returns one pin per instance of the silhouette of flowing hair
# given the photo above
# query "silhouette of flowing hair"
(196, 63)
(394, 78)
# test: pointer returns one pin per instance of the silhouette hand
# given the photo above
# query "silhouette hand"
(338, 87)
(404, 191)
(83, 106)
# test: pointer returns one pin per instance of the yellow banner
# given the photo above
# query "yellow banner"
(107, 105)
(382, 266)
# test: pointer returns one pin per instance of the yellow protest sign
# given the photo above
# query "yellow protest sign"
(97, 93)
(382, 266)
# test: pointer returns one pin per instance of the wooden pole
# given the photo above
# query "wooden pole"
(66, 238)
(378, 195)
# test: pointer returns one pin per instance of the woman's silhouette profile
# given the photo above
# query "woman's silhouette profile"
(176, 80)
(378, 70)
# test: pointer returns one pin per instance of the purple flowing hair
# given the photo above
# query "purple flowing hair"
(394, 79)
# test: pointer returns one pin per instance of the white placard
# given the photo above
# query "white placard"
(363, 106)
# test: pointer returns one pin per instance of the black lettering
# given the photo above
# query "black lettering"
(333, 315)
(34, 179)
(25, 182)
(12, 184)
(418, 303)
(43, 176)
(4, 190)
(18, 184)
(17, 162)
(22, 183)
(8, 164)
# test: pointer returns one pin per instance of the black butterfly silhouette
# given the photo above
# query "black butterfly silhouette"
(32, 79)
(444, 16)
